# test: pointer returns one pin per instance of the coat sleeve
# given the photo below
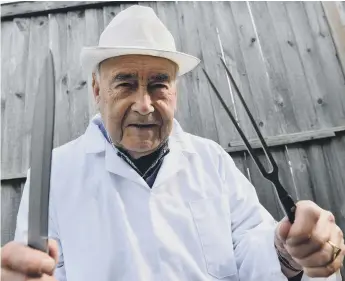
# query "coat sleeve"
(253, 229)
(21, 233)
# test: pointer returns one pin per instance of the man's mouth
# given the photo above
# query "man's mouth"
(142, 126)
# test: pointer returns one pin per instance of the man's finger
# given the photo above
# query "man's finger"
(306, 217)
(9, 275)
(325, 271)
(28, 261)
(53, 249)
(316, 240)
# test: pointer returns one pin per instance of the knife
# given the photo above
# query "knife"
(41, 156)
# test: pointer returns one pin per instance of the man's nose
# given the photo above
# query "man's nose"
(143, 103)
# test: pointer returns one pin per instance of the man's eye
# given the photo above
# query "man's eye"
(158, 86)
(127, 85)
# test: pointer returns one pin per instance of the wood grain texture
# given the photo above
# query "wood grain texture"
(288, 139)
(335, 13)
(319, 81)
(76, 82)
(14, 69)
(58, 45)
(268, 121)
(10, 198)
(38, 8)
(94, 22)
(203, 119)
(233, 56)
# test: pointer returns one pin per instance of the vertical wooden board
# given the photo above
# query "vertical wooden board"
(224, 21)
(109, 12)
(202, 122)
(313, 69)
(333, 76)
(58, 46)
(264, 188)
(256, 70)
(334, 153)
(279, 86)
(166, 11)
(6, 32)
(321, 183)
(10, 200)
(12, 149)
(37, 52)
(299, 94)
(77, 88)
(301, 171)
(94, 22)
(211, 52)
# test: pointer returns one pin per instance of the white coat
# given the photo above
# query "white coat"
(201, 220)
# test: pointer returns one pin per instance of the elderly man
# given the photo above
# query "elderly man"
(137, 198)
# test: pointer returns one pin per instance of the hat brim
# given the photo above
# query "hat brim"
(92, 56)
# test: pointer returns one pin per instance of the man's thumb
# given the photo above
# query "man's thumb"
(283, 229)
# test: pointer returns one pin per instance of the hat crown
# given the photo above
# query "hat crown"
(137, 26)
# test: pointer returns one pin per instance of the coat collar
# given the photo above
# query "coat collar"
(179, 143)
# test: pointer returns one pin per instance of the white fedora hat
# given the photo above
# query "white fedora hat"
(136, 31)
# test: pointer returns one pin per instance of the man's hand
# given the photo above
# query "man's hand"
(307, 240)
(21, 263)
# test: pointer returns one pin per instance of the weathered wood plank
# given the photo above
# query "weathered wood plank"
(334, 153)
(37, 51)
(15, 55)
(279, 86)
(302, 103)
(255, 68)
(109, 12)
(10, 198)
(37, 8)
(288, 139)
(77, 88)
(309, 51)
(6, 30)
(207, 31)
(58, 45)
(335, 12)
(301, 172)
(202, 122)
(94, 22)
(334, 87)
(224, 21)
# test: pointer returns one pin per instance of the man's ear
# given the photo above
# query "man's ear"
(95, 88)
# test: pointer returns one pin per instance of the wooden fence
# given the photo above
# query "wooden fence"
(286, 56)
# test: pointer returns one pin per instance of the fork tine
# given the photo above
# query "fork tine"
(256, 128)
(245, 140)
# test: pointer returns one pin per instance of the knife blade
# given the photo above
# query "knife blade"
(41, 156)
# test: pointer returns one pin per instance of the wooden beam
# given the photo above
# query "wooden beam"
(36, 8)
(288, 139)
(335, 13)
(238, 146)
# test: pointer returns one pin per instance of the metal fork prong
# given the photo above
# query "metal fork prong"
(256, 128)
(245, 140)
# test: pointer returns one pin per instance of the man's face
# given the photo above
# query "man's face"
(137, 100)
